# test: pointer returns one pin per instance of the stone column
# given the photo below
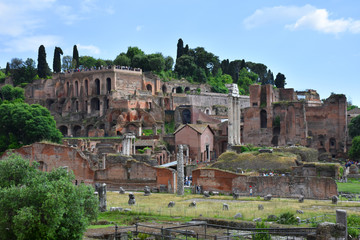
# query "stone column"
(238, 121)
(235, 121)
(180, 171)
(230, 121)
(341, 217)
(102, 197)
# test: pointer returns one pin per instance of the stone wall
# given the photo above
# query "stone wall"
(278, 186)
(52, 156)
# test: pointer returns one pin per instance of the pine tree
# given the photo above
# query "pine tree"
(7, 70)
(280, 80)
(57, 60)
(75, 57)
(43, 67)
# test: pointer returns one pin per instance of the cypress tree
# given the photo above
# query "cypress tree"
(7, 69)
(180, 48)
(75, 57)
(42, 64)
(57, 59)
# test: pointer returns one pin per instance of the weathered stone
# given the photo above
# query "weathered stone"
(260, 207)
(101, 189)
(131, 199)
(298, 219)
(147, 191)
(206, 194)
(301, 199)
(235, 195)
(341, 218)
(192, 204)
(112, 209)
(334, 199)
(264, 150)
(171, 204)
(238, 216)
(326, 231)
(127, 210)
(214, 193)
(268, 197)
(121, 191)
(257, 220)
(225, 207)
(300, 211)
(180, 170)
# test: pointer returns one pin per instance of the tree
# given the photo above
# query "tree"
(354, 127)
(185, 66)
(11, 93)
(122, 60)
(67, 63)
(169, 62)
(7, 69)
(87, 61)
(156, 62)
(57, 60)
(42, 205)
(21, 123)
(76, 62)
(43, 67)
(280, 80)
(23, 72)
(354, 152)
(133, 51)
(180, 48)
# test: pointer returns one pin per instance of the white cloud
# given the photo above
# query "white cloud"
(32, 43)
(306, 17)
(89, 48)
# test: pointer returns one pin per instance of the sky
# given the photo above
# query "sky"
(315, 44)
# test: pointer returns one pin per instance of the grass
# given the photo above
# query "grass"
(154, 207)
(352, 186)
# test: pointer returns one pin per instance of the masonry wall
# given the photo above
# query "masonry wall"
(52, 156)
(278, 186)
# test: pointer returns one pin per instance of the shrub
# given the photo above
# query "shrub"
(287, 218)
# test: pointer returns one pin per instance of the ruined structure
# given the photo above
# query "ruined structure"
(280, 117)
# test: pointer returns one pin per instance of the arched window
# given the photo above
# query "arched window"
(187, 89)
(77, 106)
(63, 130)
(108, 85)
(86, 87)
(179, 89)
(186, 116)
(77, 131)
(97, 86)
(67, 89)
(149, 87)
(332, 143)
(263, 119)
(95, 104)
(76, 88)
(163, 88)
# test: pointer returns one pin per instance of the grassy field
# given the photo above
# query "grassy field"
(154, 207)
(352, 186)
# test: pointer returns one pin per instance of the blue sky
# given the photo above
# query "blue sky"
(315, 44)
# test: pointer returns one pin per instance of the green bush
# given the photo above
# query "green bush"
(353, 222)
(287, 218)
(264, 235)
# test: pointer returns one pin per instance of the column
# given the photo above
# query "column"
(180, 171)
(230, 121)
(238, 121)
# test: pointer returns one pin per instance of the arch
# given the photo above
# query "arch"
(76, 88)
(164, 89)
(263, 119)
(49, 102)
(207, 111)
(332, 143)
(186, 116)
(76, 131)
(64, 130)
(86, 87)
(179, 89)
(187, 89)
(88, 129)
(67, 89)
(97, 86)
(95, 104)
(149, 87)
(108, 85)
(77, 106)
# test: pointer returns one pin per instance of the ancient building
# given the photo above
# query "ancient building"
(280, 117)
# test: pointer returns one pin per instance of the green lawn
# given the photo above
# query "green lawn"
(352, 186)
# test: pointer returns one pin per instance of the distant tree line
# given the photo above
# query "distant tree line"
(196, 65)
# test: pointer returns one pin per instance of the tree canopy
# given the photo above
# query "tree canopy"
(354, 127)
(42, 205)
(21, 123)
(75, 57)
(57, 60)
(354, 151)
(280, 80)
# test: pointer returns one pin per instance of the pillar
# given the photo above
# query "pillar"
(230, 121)
(341, 218)
(102, 197)
(180, 171)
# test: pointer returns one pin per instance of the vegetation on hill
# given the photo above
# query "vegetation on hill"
(42, 205)
(255, 161)
(21, 123)
(305, 154)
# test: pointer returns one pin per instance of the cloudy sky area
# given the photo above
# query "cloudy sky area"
(315, 44)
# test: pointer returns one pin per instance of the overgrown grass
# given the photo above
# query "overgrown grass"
(92, 138)
(154, 207)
